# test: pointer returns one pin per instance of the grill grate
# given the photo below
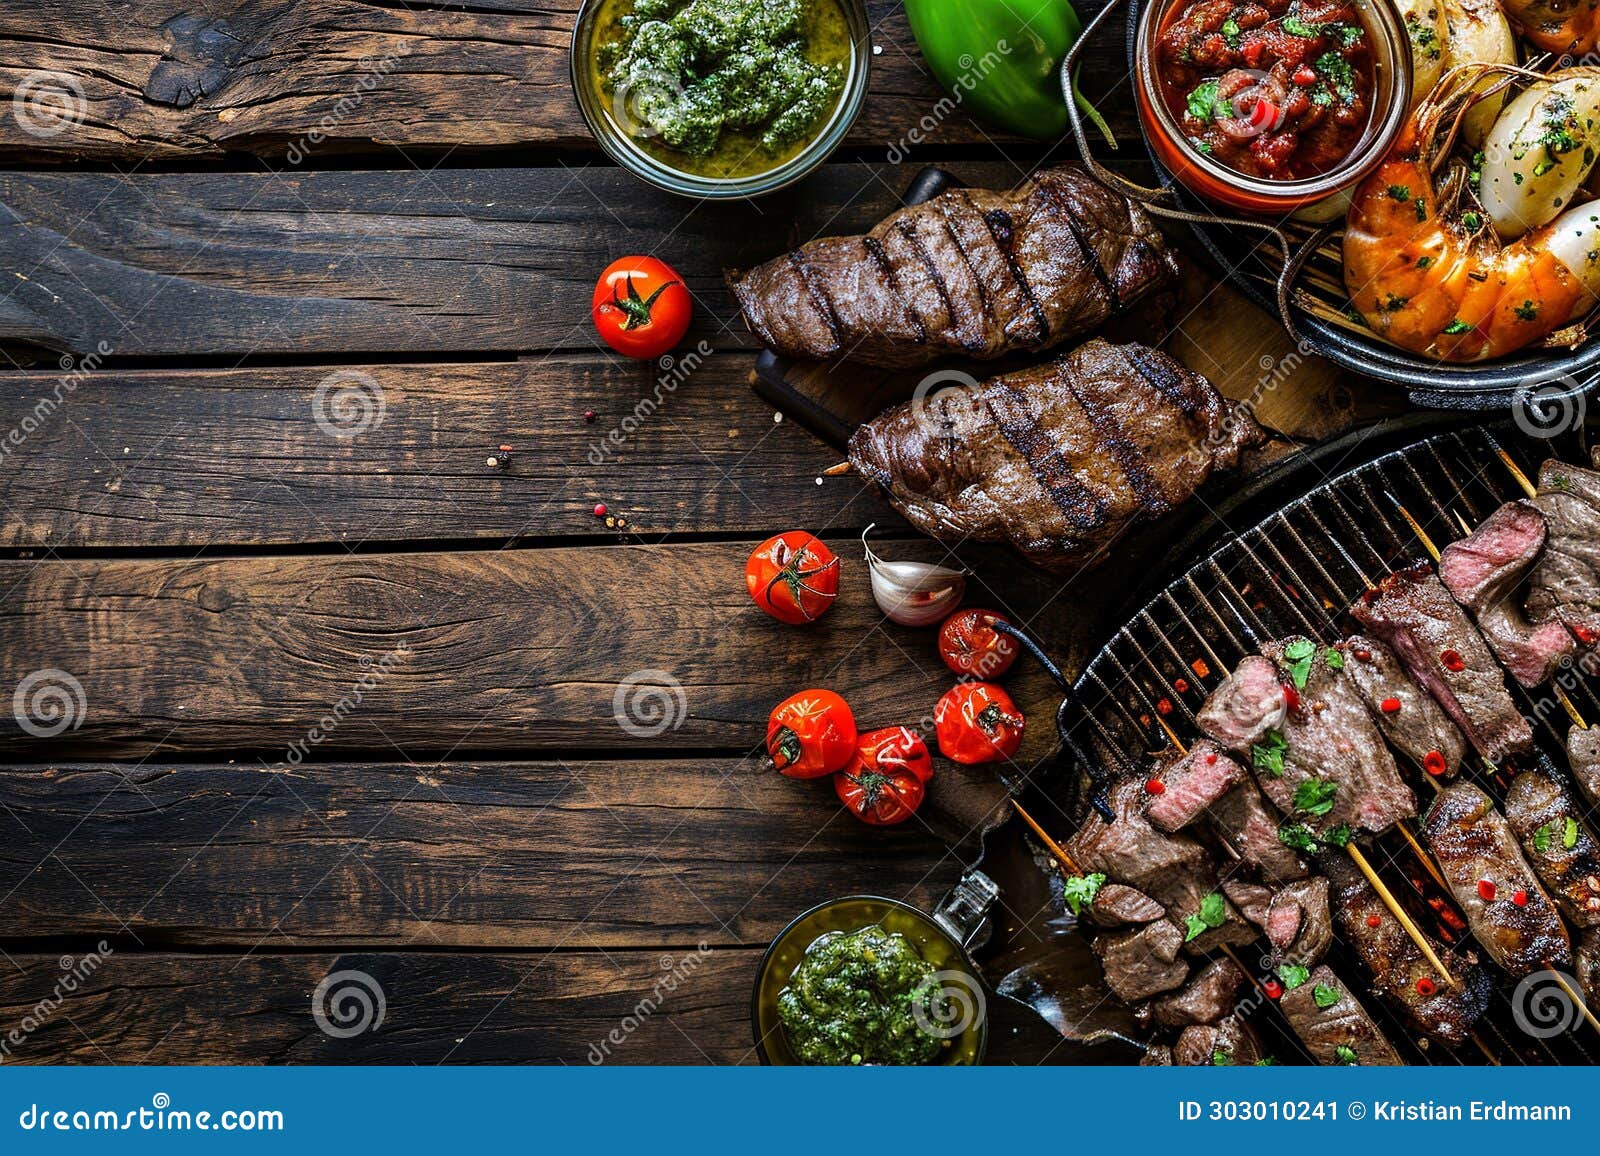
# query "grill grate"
(1294, 573)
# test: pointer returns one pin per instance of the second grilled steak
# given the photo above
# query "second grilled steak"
(970, 272)
(1332, 1024)
(1058, 460)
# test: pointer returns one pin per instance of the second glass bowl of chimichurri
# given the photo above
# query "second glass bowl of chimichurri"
(720, 98)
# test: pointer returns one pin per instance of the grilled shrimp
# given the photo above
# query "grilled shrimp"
(1565, 27)
(1432, 277)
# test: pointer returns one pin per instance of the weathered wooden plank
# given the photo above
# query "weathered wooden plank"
(669, 852)
(674, 1007)
(520, 650)
(391, 452)
(236, 264)
(312, 78)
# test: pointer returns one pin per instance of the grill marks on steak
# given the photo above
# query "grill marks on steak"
(1420, 727)
(1117, 905)
(1194, 783)
(1249, 703)
(1398, 966)
(1583, 751)
(1058, 460)
(1539, 809)
(1484, 572)
(1478, 853)
(1344, 1024)
(1415, 615)
(970, 272)
(1565, 585)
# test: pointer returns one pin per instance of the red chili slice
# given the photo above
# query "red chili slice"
(1155, 786)
(1426, 986)
(1520, 899)
(1433, 762)
(1389, 705)
(1305, 76)
(1291, 697)
(1211, 759)
(1453, 661)
(1486, 889)
(1273, 988)
(1264, 114)
(1374, 921)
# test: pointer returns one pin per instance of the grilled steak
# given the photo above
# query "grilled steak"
(1156, 1056)
(1058, 460)
(1419, 729)
(1557, 842)
(1589, 967)
(1401, 973)
(1565, 585)
(1583, 750)
(970, 272)
(1191, 785)
(1342, 1032)
(1329, 738)
(1117, 905)
(1247, 705)
(1298, 922)
(1144, 962)
(1229, 1043)
(1242, 818)
(1252, 899)
(1206, 999)
(1478, 854)
(1414, 614)
(1484, 572)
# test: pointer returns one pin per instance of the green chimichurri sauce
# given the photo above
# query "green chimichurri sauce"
(861, 997)
(721, 88)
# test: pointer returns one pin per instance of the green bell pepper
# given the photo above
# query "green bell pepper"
(1002, 59)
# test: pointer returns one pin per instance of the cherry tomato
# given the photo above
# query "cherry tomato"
(641, 307)
(977, 723)
(811, 734)
(793, 577)
(969, 644)
(884, 783)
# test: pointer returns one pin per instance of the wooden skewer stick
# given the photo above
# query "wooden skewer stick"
(1055, 848)
(1416, 528)
(1172, 736)
(1399, 913)
(1422, 855)
(835, 471)
(1572, 711)
(1516, 472)
(1576, 998)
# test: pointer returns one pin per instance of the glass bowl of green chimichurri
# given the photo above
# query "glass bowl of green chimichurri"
(866, 980)
(720, 98)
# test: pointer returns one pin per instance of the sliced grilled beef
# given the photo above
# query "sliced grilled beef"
(1484, 572)
(1401, 974)
(1143, 962)
(1058, 460)
(1207, 998)
(1227, 1044)
(1117, 905)
(1477, 852)
(1565, 585)
(1415, 615)
(1419, 728)
(1242, 818)
(1557, 842)
(1191, 785)
(1583, 750)
(1248, 704)
(1298, 922)
(1252, 899)
(1340, 1033)
(1589, 967)
(970, 272)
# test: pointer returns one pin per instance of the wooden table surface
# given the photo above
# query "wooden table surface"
(339, 697)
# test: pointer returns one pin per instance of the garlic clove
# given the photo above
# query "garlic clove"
(914, 593)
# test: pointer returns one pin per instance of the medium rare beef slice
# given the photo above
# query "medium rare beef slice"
(1249, 703)
(1565, 585)
(1298, 922)
(1142, 963)
(1116, 905)
(1173, 870)
(1252, 899)
(1190, 785)
(1558, 843)
(1241, 817)
(971, 273)
(1207, 998)
(1493, 884)
(1058, 460)
(1485, 573)
(1409, 717)
(1230, 1043)
(1332, 1024)
(1416, 617)
(1583, 752)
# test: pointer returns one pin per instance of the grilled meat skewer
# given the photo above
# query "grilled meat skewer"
(1340, 1033)
(1418, 728)
(1583, 751)
(1557, 842)
(1565, 585)
(969, 273)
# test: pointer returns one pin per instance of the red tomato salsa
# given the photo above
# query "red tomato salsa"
(1275, 89)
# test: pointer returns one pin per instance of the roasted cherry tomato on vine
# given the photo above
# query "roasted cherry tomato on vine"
(811, 734)
(969, 644)
(884, 783)
(641, 307)
(977, 723)
(793, 577)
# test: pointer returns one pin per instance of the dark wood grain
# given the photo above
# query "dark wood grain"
(298, 80)
(196, 458)
(665, 852)
(455, 652)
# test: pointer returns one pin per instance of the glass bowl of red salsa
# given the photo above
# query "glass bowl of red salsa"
(1269, 106)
